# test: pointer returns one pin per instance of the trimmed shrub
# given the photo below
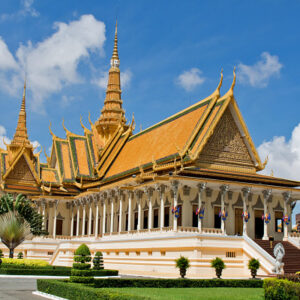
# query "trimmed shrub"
(1, 253)
(182, 263)
(98, 261)
(75, 291)
(281, 289)
(176, 283)
(20, 255)
(290, 277)
(253, 266)
(25, 262)
(81, 272)
(219, 265)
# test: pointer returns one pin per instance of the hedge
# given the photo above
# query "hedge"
(281, 289)
(76, 291)
(58, 271)
(177, 283)
(25, 262)
(13, 266)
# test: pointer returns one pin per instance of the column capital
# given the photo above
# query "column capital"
(224, 188)
(174, 187)
(201, 186)
(82, 201)
(56, 202)
(148, 191)
(286, 196)
(246, 191)
(138, 194)
(160, 188)
(267, 194)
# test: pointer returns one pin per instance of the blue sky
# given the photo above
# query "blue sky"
(171, 55)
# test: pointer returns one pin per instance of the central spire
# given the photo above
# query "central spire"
(112, 114)
(21, 136)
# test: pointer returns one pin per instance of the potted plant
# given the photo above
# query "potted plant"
(182, 263)
(253, 265)
(219, 265)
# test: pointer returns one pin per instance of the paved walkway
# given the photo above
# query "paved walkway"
(18, 289)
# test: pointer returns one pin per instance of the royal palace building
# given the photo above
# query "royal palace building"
(188, 185)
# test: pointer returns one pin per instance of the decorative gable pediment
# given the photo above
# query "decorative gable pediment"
(226, 147)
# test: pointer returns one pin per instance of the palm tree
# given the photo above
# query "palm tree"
(14, 229)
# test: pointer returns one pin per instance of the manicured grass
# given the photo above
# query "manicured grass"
(194, 293)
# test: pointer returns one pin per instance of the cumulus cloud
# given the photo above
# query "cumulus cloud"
(259, 74)
(26, 9)
(190, 79)
(102, 80)
(53, 63)
(3, 137)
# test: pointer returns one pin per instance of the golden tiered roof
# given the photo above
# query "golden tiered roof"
(209, 140)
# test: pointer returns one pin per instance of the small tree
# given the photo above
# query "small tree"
(98, 261)
(253, 266)
(219, 266)
(1, 254)
(20, 255)
(182, 263)
(81, 272)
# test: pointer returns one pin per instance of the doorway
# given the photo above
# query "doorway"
(238, 221)
(259, 224)
(59, 226)
(217, 218)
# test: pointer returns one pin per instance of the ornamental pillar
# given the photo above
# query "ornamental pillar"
(43, 213)
(224, 189)
(129, 210)
(78, 217)
(201, 188)
(174, 188)
(245, 193)
(111, 215)
(160, 189)
(104, 216)
(138, 195)
(72, 220)
(96, 223)
(90, 217)
(54, 220)
(149, 193)
(286, 199)
(83, 216)
(266, 195)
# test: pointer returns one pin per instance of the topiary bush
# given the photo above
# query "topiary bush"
(1, 253)
(98, 261)
(219, 265)
(253, 266)
(281, 289)
(182, 263)
(20, 255)
(81, 272)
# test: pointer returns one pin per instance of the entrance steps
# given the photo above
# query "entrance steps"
(291, 259)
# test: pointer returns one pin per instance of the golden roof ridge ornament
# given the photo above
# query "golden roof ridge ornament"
(83, 127)
(68, 132)
(115, 54)
(217, 91)
(51, 132)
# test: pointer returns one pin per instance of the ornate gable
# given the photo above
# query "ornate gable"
(226, 148)
(21, 172)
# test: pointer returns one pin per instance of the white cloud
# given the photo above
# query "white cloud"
(259, 74)
(190, 79)
(102, 80)
(53, 63)
(26, 9)
(3, 137)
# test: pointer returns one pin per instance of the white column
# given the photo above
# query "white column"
(96, 223)
(266, 194)
(104, 217)
(160, 189)
(83, 217)
(90, 217)
(245, 193)
(224, 189)
(129, 209)
(111, 215)
(72, 220)
(148, 191)
(121, 212)
(43, 213)
(139, 200)
(54, 219)
(201, 188)
(174, 187)
(78, 218)
(286, 198)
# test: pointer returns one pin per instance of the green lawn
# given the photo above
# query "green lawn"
(195, 293)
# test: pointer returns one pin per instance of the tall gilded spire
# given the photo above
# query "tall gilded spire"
(112, 114)
(21, 137)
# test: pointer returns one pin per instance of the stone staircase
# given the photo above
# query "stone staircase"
(291, 259)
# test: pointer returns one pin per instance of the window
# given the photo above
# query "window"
(145, 219)
(167, 215)
(126, 222)
(195, 217)
(179, 219)
(155, 219)
(135, 220)
(217, 218)
(230, 254)
(278, 221)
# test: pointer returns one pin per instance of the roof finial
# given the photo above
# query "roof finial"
(24, 96)
(115, 54)
(234, 80)
(217, 91)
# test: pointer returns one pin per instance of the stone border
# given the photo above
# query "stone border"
(47, 296)
(50, 277)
